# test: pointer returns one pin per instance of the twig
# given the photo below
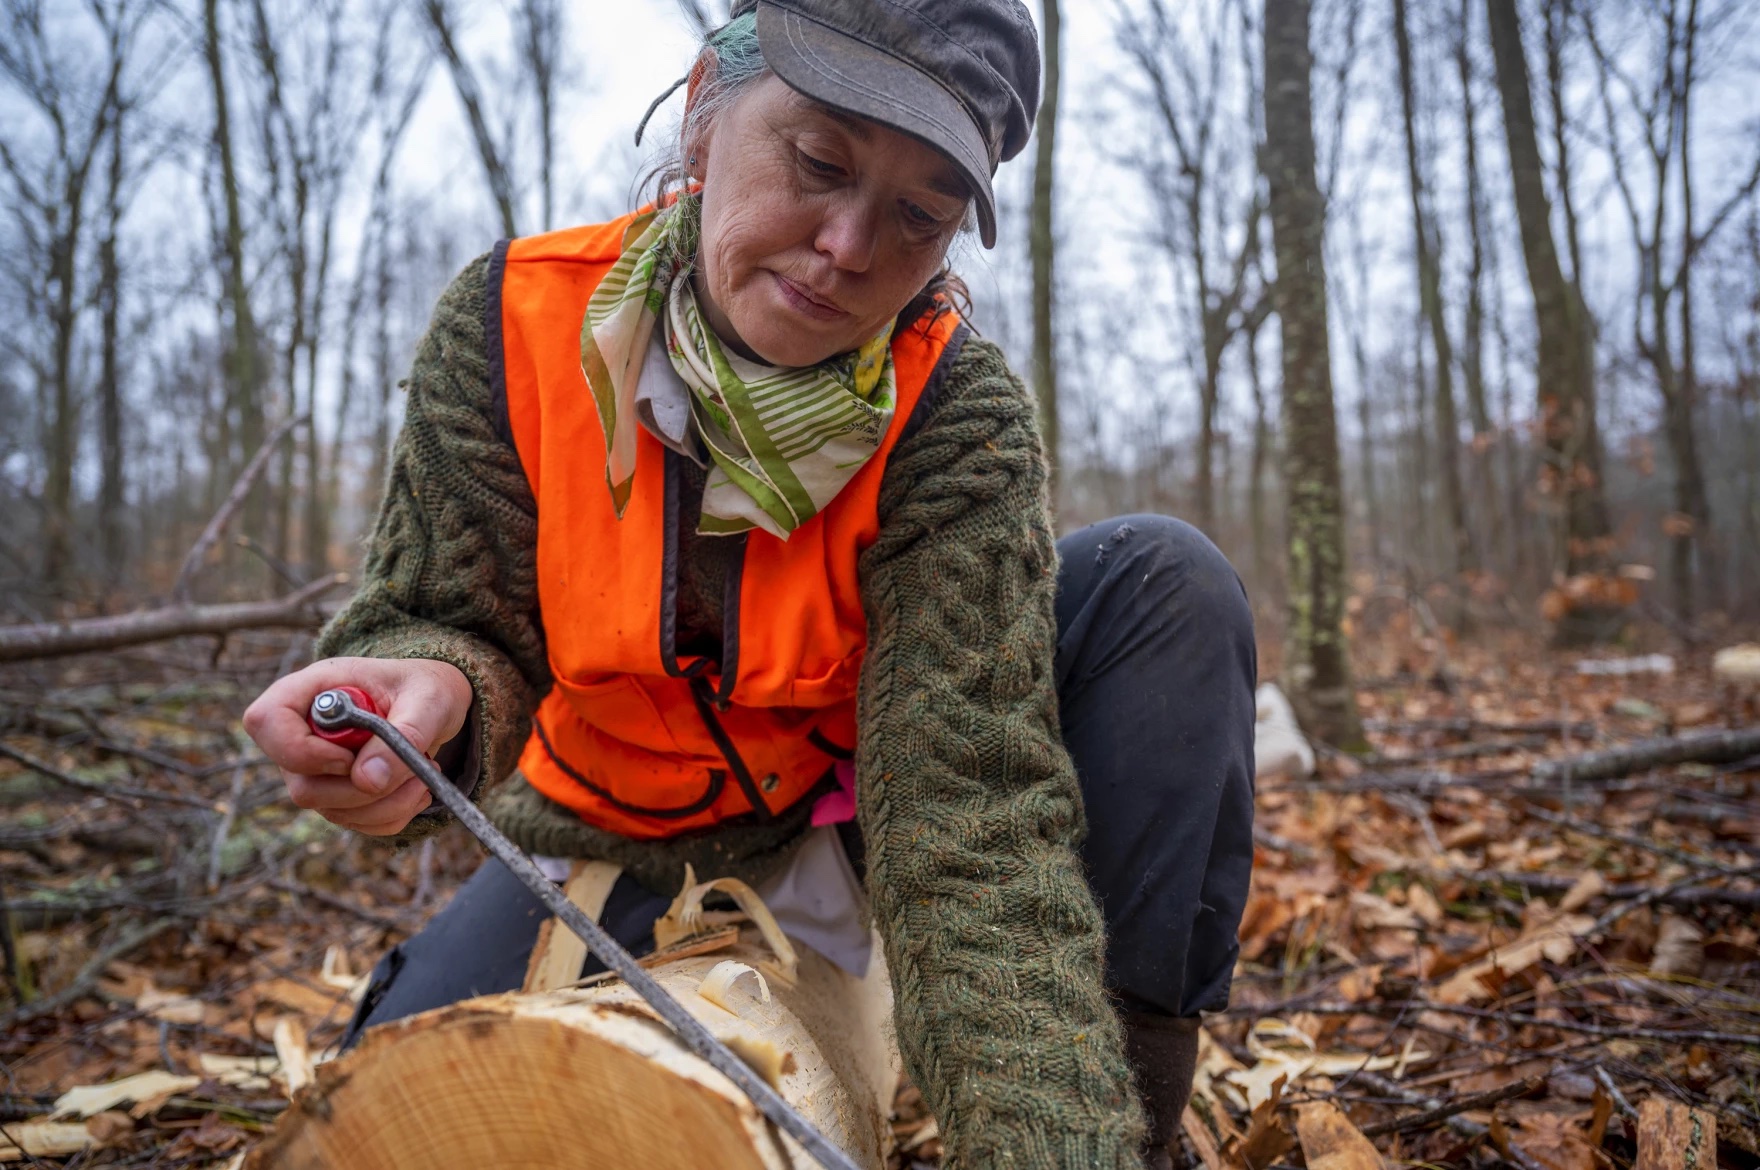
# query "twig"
(53, 639)
(9, 950)
(1448, 1109)
(1714, 747)
(1619, 910)
(88, 974)
(276, 565)
(121, 794)
(234, 500)
(1618, 1098)
(300, 889)
(228, 814)
(1656, 847)
(1550, 727)
(1515, 1020)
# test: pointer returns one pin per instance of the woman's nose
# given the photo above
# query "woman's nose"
(847, 235)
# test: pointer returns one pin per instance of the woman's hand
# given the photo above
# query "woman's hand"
(372, 792)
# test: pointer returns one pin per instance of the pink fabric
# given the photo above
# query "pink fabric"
(836, 807)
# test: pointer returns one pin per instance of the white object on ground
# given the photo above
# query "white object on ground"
(1738, 665)
(1642, 664)
(1279, 748)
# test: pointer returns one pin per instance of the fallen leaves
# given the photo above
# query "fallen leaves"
(1331, 1142)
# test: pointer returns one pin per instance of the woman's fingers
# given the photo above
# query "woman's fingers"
(277, 722)
(372, 791)
(339, 801)
(428, 706)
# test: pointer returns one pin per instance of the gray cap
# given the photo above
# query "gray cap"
(961, 75)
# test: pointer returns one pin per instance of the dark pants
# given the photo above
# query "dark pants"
(1155, 675)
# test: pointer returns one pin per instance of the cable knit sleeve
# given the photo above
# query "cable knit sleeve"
(451, 568)
(969, 803)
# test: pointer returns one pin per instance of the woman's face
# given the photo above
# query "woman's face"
(818, 228)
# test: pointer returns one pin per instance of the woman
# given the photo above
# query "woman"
(691, 508)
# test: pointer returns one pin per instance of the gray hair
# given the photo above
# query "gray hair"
(734, 62)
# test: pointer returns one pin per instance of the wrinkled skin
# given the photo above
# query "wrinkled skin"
(818, 228)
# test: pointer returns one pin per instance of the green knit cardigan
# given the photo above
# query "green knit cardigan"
(966, 798)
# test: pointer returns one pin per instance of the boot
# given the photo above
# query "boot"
(1163, 1052)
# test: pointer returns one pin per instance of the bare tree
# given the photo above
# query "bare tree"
(1041, 240)
(494, 157)
(49, 205)
(541, 40)
(1662, 327)
(1317, 663)
(1565, 374)
(1458, 548)
(243, 361)
(1208, 189)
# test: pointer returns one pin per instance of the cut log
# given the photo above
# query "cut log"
(588, 1077)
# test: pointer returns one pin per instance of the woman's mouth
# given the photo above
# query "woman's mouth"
(804, 302)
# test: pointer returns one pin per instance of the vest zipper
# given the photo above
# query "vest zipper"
(708, 700)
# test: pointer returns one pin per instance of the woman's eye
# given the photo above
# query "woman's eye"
(920, 217)
(819, 166)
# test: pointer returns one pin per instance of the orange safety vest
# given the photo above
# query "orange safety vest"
(633, 739)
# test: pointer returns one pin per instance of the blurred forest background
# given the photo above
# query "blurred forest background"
(227, 221)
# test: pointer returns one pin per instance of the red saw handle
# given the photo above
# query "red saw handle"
(352, 738)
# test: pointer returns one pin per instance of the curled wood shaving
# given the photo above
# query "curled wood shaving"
(718, 983)
(686, 917)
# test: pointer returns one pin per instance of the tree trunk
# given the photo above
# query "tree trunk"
(1565, 375)
(1484, 480)
(1691, 500)
(1457, 547)
(244, 364)
(1317, 658)
(1558, 19)
(1473, 337)
(1261, 458)
(111, 538)
(1041, 242)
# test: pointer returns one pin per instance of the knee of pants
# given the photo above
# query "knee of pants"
(1191, 565)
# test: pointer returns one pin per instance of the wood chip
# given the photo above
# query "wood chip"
(1331, 1142)
(86, 1100)
(1673, 1136)
(43, 1139)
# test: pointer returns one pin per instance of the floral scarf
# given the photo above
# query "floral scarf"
(782, 441)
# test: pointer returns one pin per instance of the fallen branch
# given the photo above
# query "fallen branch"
(1715, 747)
(1448, 1109)
(54, 639)
(122, 794)
(1468, 727)
(192, 560)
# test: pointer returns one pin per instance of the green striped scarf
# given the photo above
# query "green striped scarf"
(782, 441)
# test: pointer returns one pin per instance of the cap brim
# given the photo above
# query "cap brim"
(859, 79)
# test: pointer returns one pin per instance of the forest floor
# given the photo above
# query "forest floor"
(1475, 958)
